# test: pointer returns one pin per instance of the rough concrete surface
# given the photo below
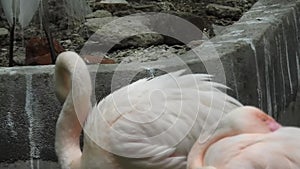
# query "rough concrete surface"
(291, 115)
(259, 55)
(30, 164)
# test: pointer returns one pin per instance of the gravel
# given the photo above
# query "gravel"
(151, 53)
(72, 34)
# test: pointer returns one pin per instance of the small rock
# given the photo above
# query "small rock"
(150, 7)
(90, 59)
(68, 41)
(125, 12)
(151, 53)
(94, 24)
(19, 57)
(114, 2)
(232, 3)
(4, 49)
(112, 5)
(166, 6)
(99, 14)
(196, 43)
(121, 33)
(244, 5)
(3, 32)
(222, 11)
(37, 51)
(202, 23)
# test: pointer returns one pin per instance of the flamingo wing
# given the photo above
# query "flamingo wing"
(154, 123)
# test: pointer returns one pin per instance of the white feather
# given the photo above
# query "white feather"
(27, 10)
(8, 8)
(23, 10)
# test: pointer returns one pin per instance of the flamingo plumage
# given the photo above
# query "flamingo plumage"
(151, 123)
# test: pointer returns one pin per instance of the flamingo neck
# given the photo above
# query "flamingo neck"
(69, 127)
(198, 151)
(72, 71)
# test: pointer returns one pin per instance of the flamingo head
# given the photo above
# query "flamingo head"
(242, 120)
(249, 119)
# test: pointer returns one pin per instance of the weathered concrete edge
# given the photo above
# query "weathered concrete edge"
(265, 44)
(27, 99)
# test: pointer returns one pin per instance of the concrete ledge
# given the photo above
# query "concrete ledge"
(264, 50)
(260, 57)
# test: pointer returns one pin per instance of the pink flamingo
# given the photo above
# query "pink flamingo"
(248, 140)
(151, 123)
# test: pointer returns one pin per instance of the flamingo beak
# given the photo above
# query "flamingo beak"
(273, 125)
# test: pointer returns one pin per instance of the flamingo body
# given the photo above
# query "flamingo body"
(149, 124)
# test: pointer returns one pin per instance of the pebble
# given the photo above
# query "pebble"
(99, 14)
(114, 2)
(68, 41)
(3, 32)
(151, 53)
(112, 5)
(224, 11)
(72, 38)
(124, 32)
